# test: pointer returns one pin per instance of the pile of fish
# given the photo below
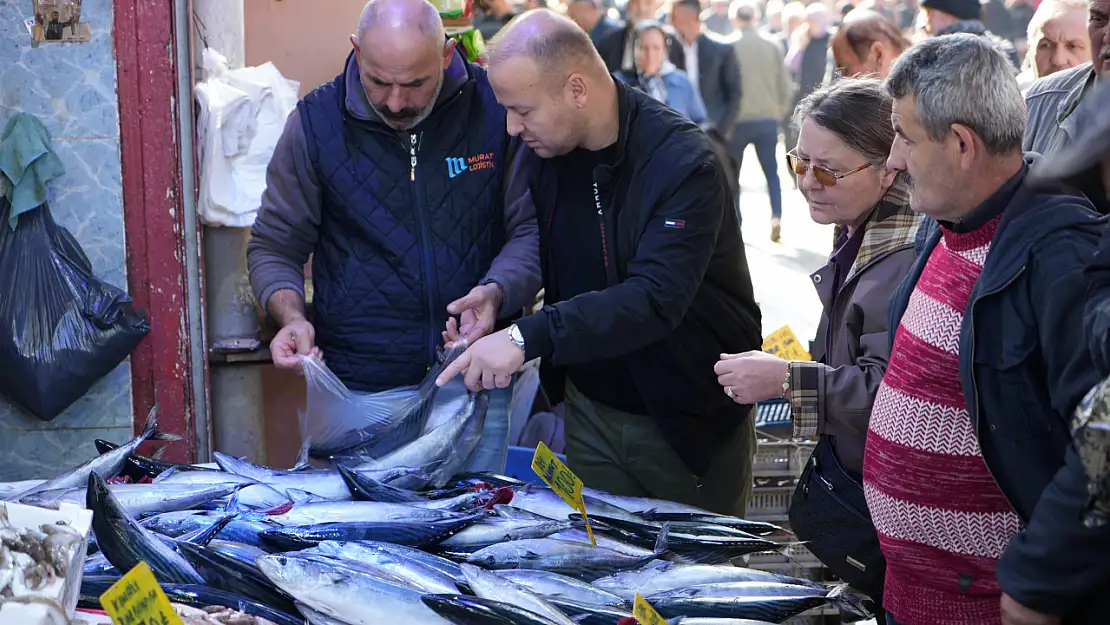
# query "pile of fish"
(403, 538)
(216, 615)
(34, 561)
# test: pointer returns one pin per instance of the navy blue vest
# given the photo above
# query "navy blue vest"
(398, 244)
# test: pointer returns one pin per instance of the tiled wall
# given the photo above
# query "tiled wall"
(71, 87)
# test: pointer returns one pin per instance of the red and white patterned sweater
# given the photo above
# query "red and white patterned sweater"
(942, 520)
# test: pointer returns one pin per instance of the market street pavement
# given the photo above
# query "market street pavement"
(780, 271)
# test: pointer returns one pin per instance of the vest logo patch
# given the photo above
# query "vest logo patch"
(457, 165)
(674, 223)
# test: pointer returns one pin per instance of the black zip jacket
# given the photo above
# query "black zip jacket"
(1024, 366)
(679, 290)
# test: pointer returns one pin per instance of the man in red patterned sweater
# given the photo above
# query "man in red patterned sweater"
(969, 473)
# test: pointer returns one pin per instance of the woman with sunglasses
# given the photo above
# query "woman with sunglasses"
(844, 140)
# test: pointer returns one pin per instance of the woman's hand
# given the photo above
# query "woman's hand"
(751, 376)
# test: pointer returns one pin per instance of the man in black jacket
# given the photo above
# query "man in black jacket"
(710, 64)
(646, 281)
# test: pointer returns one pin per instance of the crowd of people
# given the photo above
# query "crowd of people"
(966, 301)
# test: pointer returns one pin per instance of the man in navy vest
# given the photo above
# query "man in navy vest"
(399, 179)
(646, 281)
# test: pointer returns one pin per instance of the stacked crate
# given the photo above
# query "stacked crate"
(779, 461)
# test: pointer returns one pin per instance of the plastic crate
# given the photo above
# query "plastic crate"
(519, 464)
(770, 504)
(64, 592)
(781, 458)
(773, 414)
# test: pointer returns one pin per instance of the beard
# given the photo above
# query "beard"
(408, 118)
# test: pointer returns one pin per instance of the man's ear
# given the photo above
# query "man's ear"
(448, 52)
(968, 145)
(354, 44)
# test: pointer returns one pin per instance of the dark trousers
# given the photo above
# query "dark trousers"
(627, 454)
(764, 134)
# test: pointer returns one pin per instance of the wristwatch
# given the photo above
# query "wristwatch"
(516, 337)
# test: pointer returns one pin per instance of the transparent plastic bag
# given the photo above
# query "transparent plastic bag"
(345, 423)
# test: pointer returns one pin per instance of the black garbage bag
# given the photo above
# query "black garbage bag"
(61, 329)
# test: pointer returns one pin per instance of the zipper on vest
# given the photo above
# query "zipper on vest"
(425, 247)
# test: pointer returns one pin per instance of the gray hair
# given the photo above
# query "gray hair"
(1047, 10)
(857, 111)
(962, 79)
(419, 15)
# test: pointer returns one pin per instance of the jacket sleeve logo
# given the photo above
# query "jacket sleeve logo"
(457, 165)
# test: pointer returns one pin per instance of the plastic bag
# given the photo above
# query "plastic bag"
(242, 115)
(61, 329)
(343, 423)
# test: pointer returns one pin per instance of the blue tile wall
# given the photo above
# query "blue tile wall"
(71, 87)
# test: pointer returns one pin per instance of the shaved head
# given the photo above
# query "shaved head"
(402, 53)
(553, 42)
(410, 17)
(557, 93)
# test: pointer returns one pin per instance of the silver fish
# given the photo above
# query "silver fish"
(553, 585)
(490, 586)
(660, 576)
(581, 560)
(447, 447)
(429, 579)
(546, 502)
(342, 593)
(357, 511)
(140, 499)
(412, 554)
(125, 543)
(758, 600)
(105, 465)
(641, 504)
(498, 529)
(315, 617)
(608, 542)
(1091, 435)
(178, 476)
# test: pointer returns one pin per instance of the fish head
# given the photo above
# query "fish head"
(484, 558)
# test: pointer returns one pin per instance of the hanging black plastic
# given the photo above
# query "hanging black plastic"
(61, 329)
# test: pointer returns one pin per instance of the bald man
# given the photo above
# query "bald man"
(645, 279)
(399, 179)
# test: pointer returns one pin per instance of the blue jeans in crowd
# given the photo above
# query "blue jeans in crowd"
(765, 135)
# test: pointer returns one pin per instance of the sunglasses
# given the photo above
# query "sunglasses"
(826, 177)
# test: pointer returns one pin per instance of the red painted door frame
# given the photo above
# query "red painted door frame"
(150, 151)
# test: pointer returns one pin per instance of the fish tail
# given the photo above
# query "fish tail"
(151, 431)
(851, 602)
(662, 543)
(302, 456)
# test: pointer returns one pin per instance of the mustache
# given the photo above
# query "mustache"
(407, 113)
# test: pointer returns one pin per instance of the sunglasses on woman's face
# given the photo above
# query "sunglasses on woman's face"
(826, 177)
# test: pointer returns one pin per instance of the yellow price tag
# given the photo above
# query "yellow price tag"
(785, 345)
(137, 599)
(646, 614)
(561, 480)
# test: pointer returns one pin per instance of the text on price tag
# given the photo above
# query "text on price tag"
(561, 480)
(646, 614)
(137, 599)
(785, 345)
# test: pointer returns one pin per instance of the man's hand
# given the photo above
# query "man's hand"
(1013, 613)
(297, 338)
(477, 311)
(751, 376)
(489, 363)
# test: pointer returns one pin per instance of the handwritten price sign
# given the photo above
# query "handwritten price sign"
(137, 599)
(561, 480)
(646, 614)
(784, 344)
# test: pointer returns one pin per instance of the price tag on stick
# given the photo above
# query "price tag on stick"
(561, 480)
(137, 599)
(646, 614)
(784, 344)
